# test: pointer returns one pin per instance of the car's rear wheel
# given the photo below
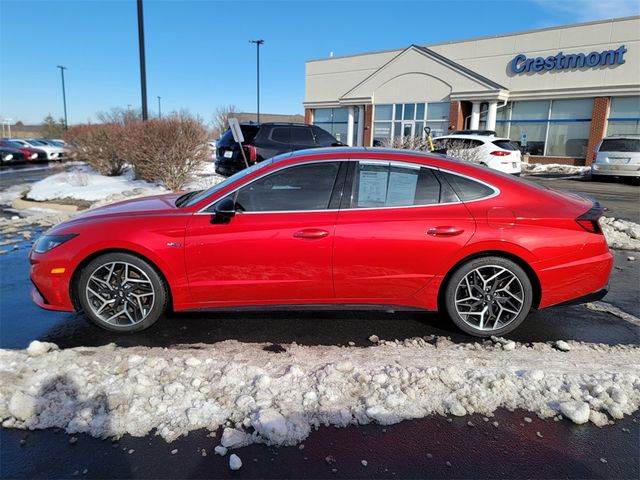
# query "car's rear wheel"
(488, 296)
(121, 292)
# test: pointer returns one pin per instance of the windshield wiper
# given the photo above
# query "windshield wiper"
(186, 197)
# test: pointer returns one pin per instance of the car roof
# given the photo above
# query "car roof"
(262, 124)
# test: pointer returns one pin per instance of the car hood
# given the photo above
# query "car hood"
(155, 205)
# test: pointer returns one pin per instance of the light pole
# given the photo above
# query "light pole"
(258, 43)
(159, 108)
(143, 70)
(64, 96)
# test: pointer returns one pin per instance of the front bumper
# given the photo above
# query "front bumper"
(51, 290)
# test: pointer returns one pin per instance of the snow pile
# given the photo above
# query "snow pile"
(83, 183)
(278, 398)
(550, 168)
(621, 234)
(10, 194)
(613, 310)
(204, 177)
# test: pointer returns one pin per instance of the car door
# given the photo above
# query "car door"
(397, 227)
(277, 247)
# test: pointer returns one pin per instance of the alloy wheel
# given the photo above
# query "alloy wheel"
(120, 293)
(489, 297)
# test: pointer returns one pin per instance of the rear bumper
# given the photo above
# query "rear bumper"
(227, 168)
(589, 297)
(615, 170)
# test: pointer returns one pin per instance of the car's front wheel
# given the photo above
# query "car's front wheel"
(121, 292)
(488, 296)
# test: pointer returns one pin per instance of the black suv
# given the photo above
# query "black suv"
(265, 140)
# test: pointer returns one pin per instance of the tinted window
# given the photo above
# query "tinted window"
(248, 132)
(378, 184)
(466, 188)
(302, 136)
(323, 138)
(620, 145)
(280, 135)
(303, 187)
(505, 145)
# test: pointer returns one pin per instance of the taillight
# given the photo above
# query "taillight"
(500, 153)
(252, 154)
(589, 219)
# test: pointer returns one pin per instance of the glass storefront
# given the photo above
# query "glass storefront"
(336, 121)
(547, 127)
(624, 116)
(409, 120)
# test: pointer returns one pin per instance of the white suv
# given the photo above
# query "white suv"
(617, 156)
(483, 147)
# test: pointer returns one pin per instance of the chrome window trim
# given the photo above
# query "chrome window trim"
(398, 163)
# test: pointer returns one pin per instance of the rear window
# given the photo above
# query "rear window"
(505, 145)
(248, 132)
(280, 135)
(468, 189)
(302, 136)
(620, 145)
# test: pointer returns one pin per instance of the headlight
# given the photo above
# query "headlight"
(48, 242)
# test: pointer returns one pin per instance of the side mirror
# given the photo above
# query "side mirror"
(224, 211)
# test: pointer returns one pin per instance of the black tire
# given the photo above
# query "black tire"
(523, 289)
(159, 289)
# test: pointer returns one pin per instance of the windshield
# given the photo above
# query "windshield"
(233, 178)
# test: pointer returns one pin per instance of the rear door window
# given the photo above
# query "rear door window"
(620, 145)
(386, 184)
(323, 138)
(302, 137)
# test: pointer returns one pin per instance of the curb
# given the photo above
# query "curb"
(20, 204)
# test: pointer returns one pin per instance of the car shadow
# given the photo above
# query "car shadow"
(338, 327)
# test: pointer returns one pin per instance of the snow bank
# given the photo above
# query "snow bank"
(621, 234)
(613, 310)
(82, 183)
(537, 168)
(278, 398)
(10, 194)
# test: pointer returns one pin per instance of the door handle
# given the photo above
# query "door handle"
(444, 231)
(311, 233)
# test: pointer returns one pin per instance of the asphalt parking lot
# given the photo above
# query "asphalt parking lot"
(437, 447)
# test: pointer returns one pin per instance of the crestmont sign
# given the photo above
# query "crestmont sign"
(523, 64)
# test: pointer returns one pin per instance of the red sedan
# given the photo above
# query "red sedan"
(332, 226)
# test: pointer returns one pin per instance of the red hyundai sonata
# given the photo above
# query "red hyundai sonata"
(340, 226)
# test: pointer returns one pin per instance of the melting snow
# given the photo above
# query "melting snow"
(554, 168)
(279, 399)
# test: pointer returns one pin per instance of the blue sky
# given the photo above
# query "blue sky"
(198, 52)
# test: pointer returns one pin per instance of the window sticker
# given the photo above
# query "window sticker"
(402, 188)
(372, 189)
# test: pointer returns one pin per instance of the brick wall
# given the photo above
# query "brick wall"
(456, 117)
(308, 116)
(368, 125)
(598, 125)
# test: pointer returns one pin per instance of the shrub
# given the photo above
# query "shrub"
(167, 150)
(101, 146)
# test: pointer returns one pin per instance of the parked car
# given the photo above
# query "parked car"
(11, 155)
(60, 144)
(265, 140)
(54, 152)
(31, 154)
(482, 147)
(332, 226)
(617, 156)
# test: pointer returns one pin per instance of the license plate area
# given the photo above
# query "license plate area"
(228, 154)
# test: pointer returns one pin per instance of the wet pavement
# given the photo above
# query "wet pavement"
(411, 449)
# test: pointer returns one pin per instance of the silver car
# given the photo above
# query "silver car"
(617, 156)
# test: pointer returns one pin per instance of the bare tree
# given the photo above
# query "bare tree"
(458, 149)
(220, 121)
(168, 150)
(101, 146)
(120, 116)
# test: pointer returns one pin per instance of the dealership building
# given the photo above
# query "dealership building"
(555, 92)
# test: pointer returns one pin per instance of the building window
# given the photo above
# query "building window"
(624, 116)
(336, 122)
(409, 120)
(547, 127)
